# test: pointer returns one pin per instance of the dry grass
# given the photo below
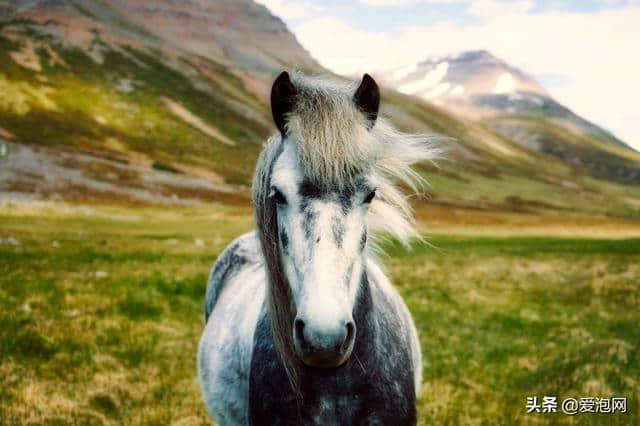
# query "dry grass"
(101, 312)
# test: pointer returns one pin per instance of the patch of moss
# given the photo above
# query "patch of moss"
(105, 404)
(139, 305)
(30, 344)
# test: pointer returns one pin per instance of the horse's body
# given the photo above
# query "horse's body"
(241, 374)
(302, 325)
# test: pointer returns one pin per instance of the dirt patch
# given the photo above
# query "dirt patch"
(493, 142)
(520, 204)
(58, 173)
(27, 57)
(54, 58)
(195, 121)
(6, 134)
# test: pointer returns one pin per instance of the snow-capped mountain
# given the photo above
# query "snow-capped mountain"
(457, 81)
(477, 85)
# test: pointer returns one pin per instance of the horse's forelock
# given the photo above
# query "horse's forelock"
(328, 130)
(333, 143)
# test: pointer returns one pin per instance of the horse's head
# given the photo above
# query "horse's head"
(322, 235)
(319, 186)
(322, 227)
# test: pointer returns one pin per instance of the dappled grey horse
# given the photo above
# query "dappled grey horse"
(302, 325)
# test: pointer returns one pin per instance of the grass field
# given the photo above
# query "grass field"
(101, 312)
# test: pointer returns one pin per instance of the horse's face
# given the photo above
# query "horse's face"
(322, 236)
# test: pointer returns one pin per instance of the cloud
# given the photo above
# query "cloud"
(384, 2)
(344, 48)
(597, 52)
(492, 8)
(287, 10)
(403, 2)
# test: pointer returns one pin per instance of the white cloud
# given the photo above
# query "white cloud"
(285, 9)
(596, 51)
(492, 8)
(505, 84)
(402, 2)
(348, 50)
(383, 2)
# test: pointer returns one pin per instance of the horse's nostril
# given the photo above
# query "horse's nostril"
(351, 331)
(299, 330)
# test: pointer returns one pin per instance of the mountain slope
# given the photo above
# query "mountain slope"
(476, 84)
(80, 74)
(486, 89)
(457, 81)
(168, 102)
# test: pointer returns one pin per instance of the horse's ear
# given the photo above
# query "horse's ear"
(367, 98)
(283, 94)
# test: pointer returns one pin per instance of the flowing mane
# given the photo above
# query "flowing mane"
(333, 143)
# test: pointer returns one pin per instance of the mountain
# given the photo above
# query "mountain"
(476, 84)
(240, 33)
(165, 86)
(479, 86)
(467, 82)
(167, 102)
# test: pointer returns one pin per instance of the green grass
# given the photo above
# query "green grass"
(101, 312)
(501, 319)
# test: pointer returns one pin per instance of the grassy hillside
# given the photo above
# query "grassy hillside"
(484, 170)
(120, 103)
(101, 312)
(139, 106)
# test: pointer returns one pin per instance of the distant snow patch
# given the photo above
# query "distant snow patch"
(440, 89)
(505, 83)
(458, 90)
(432, 78)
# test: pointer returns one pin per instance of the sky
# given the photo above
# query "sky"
(586, 53)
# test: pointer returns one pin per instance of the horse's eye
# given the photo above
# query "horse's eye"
(369, 197)
(278, 197)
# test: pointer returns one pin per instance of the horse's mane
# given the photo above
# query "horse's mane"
(334, 143)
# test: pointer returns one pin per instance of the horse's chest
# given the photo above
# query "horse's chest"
(343, 402)
(354, 394)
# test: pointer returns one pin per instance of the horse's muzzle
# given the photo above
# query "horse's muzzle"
(323, 347)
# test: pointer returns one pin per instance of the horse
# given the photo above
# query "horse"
(302, 326)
